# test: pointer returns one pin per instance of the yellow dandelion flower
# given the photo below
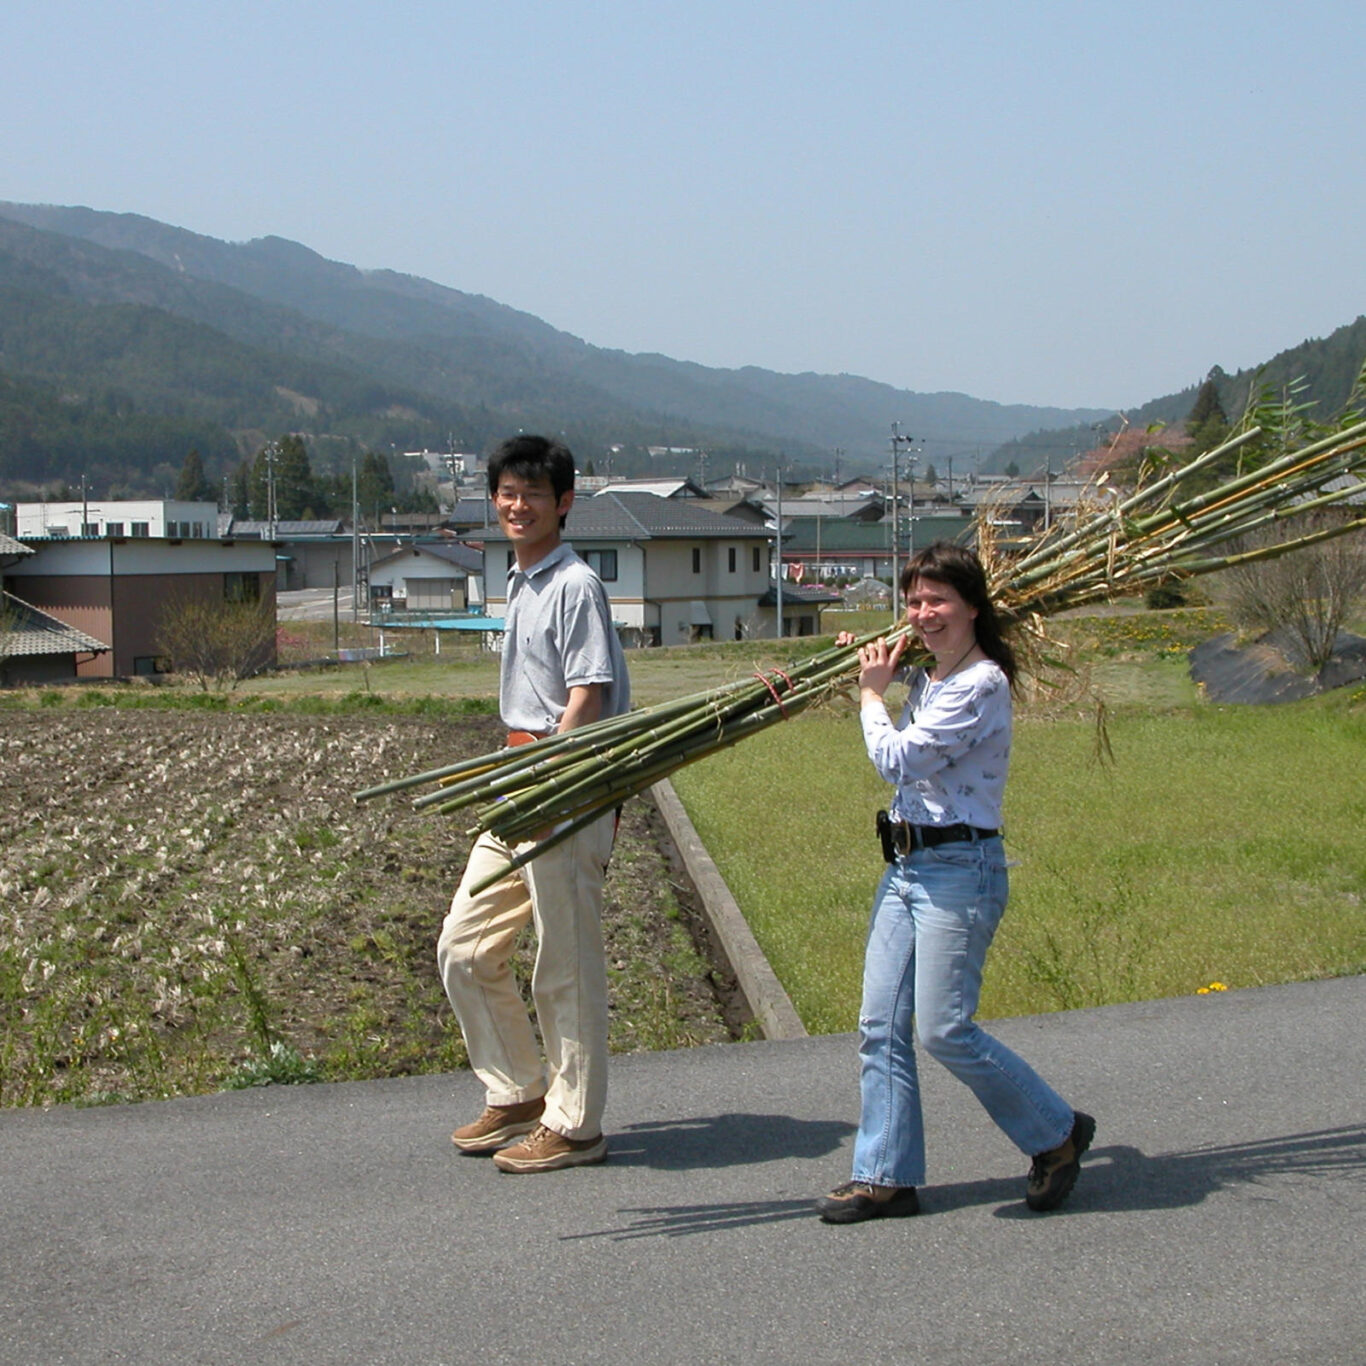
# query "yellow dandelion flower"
(1202, 991)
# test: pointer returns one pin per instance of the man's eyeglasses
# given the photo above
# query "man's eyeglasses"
(506, 497)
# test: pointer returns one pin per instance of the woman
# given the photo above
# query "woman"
(941, 899)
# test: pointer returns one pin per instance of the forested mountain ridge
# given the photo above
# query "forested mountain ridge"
(1320, 372)
(145, 338)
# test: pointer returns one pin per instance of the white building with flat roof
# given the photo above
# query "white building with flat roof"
(103, 518)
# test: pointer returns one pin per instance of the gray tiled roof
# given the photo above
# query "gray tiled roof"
(453, 552)
(456, 553)
(807, 594)
(32, 631)
(9, 546)
(471, 512)
(646, 517)
(284, 531)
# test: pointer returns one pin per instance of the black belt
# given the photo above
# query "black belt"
(898, 837)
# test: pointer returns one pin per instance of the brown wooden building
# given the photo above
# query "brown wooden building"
(115, 589)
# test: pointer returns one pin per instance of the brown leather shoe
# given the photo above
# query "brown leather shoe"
(1053, 1174)
(856, 1201)
(543, 1150)
(498, 1126)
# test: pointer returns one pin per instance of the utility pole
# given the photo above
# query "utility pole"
(897, 442)
(912, 459)
(355, 542)
(778, 576)
(272, 454)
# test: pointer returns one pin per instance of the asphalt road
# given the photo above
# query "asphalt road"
(1218, 1219)
(313, 604)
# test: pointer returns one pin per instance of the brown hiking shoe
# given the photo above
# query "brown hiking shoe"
(855, 1201)
(543, 1150)
(1054, 1173)
(498, 1126)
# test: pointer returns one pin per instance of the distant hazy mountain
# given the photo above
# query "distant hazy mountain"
(124, 341)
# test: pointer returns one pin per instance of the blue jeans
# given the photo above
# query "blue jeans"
(933, 920)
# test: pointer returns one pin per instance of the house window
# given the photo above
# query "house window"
(756, 559)
(143, 665)
(113, 528)
(57, 531)
(241, 587)
(603, 563)
(90, 528)
(731, 558)
(141, 529)
(173, 531)
(697, 559)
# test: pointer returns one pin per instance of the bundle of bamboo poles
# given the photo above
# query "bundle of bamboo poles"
(1112, 545)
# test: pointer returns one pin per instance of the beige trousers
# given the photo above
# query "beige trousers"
(561, 893)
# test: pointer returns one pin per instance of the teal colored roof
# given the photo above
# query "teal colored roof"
(839, 534)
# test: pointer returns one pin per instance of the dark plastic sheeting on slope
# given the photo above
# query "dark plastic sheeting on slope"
(1259, 672)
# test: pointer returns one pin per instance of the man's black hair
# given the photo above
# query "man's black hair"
(533, 457)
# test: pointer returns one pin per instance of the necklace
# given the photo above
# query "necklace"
(942, 675)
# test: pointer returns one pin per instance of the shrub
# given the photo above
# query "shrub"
(1163, 596)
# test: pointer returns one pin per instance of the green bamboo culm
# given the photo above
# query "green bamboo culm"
(1112, 545)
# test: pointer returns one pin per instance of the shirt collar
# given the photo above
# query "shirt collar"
(561, 552)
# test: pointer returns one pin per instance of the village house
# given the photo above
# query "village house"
(34, 646)
(675, 573)
(817, 550)
(433, 577)
(112, 587)
(674, 486)
(1021, 507)
(801, 605)
(313, 554)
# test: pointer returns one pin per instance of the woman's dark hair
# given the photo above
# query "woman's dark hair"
(533, 457)
(960, 568)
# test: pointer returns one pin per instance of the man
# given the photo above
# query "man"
(562, 667)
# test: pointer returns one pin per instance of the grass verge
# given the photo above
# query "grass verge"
(1220, 845)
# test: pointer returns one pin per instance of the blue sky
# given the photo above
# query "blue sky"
(1056, 203)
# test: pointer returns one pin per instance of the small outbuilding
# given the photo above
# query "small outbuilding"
(37, 648)
(436, 577)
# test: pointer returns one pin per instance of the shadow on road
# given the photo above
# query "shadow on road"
(1117, 1178)
(1127, 1179)
(725, 1141)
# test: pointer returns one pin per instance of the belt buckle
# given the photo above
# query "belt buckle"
(903, 838)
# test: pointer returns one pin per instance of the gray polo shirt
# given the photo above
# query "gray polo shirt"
(558, 635)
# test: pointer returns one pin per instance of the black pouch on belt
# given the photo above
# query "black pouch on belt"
(884, 833)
